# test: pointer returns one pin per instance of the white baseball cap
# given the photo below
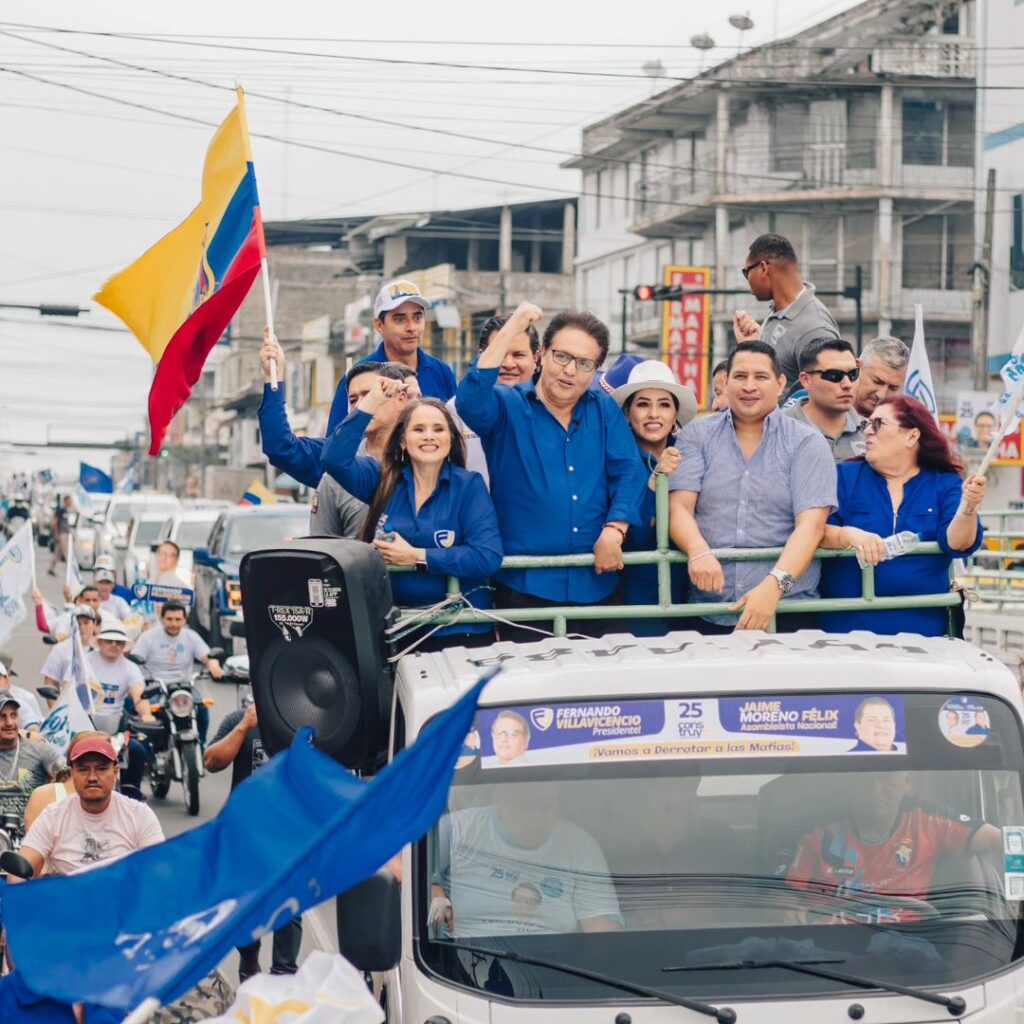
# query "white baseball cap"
(653, 373)
(394, 293)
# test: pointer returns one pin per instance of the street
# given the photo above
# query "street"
(30, 652)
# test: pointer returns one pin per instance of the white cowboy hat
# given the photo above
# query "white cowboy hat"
(653, 373)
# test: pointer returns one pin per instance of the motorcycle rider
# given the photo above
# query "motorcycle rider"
(96, 824)
(110, 602)
(58, 661)
(238, 744)
(29, 716)
(23, 764)
(169, 651)
(120, 679)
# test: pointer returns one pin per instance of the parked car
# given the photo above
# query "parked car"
(132, 553)
(238, 531)
(85, 537)
(189, 529)
(115, 519)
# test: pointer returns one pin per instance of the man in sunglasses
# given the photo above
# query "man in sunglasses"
(565, 476)
(829, 372)
(795, 317)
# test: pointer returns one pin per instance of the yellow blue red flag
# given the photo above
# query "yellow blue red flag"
(179, 296)
(257, 493)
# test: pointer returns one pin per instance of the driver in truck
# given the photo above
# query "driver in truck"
(889, 846)
(516, 868)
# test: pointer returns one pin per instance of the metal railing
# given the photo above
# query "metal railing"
(996, 575)
(664, 557)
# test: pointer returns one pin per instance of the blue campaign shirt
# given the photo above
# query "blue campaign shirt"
(930, 501)
(554, 488)
(456, 525)
(435, 378)
(640, 582)
(298, 456)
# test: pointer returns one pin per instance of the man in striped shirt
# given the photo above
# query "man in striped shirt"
(751, 478)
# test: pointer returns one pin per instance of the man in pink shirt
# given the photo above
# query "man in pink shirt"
(96, 824)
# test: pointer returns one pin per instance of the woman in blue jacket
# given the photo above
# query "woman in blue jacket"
(655, 405)
(908, 480)
(426, 509)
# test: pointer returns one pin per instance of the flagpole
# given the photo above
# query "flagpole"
(1007, 421)
(265, 277)
(143, 1011)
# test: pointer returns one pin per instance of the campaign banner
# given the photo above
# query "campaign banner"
(686, 330)
(808, 725)
(157, 593)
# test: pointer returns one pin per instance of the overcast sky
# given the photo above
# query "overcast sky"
(87, 182)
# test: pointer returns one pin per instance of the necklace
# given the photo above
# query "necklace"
(8, 776)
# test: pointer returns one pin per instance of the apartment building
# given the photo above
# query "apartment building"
(854, 138)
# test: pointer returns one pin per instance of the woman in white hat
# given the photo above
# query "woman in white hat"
(656, 405)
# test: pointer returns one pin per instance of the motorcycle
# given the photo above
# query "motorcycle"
(174, 737)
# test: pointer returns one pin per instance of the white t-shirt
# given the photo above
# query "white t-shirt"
(73, 840)
(58, 661)
(170, 578)
(115, 679)
(116, 606)
(476, 460)
(170, 658)
(498, 888)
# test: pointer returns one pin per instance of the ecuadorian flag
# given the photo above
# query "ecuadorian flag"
(179, 296)
(257, 493)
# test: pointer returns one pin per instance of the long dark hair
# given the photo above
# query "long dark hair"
(933, 451)
(394, 458)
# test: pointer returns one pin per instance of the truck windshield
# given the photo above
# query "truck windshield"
(881, 833)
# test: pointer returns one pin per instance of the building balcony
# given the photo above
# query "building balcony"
(930, 57)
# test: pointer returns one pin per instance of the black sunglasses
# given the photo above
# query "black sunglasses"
(745, 271)
(836, 376)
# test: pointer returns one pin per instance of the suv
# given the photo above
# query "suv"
(218, 594)
(96, 531)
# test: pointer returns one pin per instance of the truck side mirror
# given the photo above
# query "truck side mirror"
(376, 899)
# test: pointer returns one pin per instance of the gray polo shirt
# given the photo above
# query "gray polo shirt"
(334, 512)
(792, 329)
(843, 446)
(753, 504)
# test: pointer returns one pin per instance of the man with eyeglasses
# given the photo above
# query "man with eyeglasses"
(795, 318)
(510, 736)
(829, 372)
(564, 473)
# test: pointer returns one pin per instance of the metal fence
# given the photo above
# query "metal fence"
(664, 556)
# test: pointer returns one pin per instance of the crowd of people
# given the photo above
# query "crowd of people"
(536, 451)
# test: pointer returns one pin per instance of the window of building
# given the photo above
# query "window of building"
(862, 131)
(938, 134)
(1017, 248)
(788, 136)
(938, 251)
(858, 248)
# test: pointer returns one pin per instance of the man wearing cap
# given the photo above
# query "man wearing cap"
(95, 825)
(399, 316)
(655, 405)
(58, 662)
(23, 764)
(30, 717)
(110, 602)
(119, 678)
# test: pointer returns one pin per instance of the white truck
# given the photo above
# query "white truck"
(766, 829)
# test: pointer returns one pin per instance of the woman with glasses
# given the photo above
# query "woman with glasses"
(655, 405)
(427, 511)
(909, 480)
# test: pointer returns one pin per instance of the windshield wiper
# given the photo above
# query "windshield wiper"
(955, 1004)
(724, 1014)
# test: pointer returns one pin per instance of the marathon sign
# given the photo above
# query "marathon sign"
(811, 725)
(686, 330)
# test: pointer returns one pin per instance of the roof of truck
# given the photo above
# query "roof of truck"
(682, 662)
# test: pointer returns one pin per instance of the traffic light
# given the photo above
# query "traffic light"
(652, 292)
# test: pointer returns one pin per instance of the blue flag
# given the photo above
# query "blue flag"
(294, 834)
(93, 480)
(21, 1005)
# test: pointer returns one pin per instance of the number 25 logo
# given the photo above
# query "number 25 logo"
(690, 709)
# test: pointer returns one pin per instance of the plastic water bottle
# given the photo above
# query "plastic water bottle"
(902, 543)
(385, 531)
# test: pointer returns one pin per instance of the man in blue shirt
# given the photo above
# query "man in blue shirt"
(564, 473)
(300, 456)
(752, 477)
(399, 317)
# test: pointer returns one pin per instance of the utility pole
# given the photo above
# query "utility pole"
(983, 288)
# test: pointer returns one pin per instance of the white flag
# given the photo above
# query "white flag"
(67, 718)
(1013, 380)
(919, 372)
(75, 581)
(17, 571)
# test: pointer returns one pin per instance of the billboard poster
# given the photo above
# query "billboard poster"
(806, 725)
(686, 330)
(962, 430)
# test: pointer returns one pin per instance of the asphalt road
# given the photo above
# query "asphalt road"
(30, 652)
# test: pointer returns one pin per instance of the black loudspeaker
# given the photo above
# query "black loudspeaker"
(315, 612)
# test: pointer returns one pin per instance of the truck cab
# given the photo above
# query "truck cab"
(756, 828)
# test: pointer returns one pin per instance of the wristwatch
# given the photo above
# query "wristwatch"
(785, 580)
